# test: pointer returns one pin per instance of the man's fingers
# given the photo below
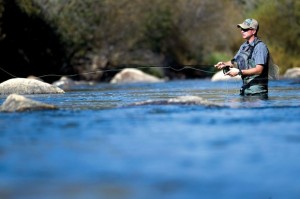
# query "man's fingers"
(219, 64)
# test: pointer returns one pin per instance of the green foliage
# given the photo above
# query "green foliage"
(29, 7)
(218, 56)
(107, 33)
(184, 30)
(280, 28)
(28, 45)
(158, 27)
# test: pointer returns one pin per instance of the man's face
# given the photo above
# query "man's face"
(247, 33)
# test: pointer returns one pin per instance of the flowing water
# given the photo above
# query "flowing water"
(96, 146)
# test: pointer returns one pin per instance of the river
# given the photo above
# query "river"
(97, 146)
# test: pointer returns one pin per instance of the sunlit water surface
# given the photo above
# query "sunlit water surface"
(96, 146)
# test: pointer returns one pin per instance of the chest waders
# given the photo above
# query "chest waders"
(245, 61)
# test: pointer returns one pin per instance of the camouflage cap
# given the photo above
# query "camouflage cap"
(249, 24)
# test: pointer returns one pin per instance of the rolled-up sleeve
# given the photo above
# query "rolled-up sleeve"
(260, 54)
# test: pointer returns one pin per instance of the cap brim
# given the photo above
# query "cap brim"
(243, 26)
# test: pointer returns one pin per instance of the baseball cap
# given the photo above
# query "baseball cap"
(248, 23)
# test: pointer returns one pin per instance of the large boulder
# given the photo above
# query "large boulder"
(131, 75)
(219, 76)
(27, 86)
(19, 103)
(292, 73)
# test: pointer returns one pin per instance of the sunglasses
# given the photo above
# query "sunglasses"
(245, 30)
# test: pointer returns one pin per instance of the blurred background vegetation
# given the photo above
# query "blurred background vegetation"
(40, 37)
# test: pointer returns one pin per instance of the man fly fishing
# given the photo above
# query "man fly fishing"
(251, 61)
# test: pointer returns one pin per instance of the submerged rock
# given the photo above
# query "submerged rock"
(64, 82)
(19, 103)
(183, 100)
(27, 86)
(131, 75)
(67, 83)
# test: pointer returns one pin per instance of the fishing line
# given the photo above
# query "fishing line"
(8, 72)
(177, 68)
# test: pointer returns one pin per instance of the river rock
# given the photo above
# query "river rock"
(27, 86)
(64, 83)
(131, 75)
(19, 103)
(219, 76)
(183, 100)
(292, 73)
(35, 77)
(67, 83)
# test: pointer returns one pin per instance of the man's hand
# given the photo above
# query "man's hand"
(221, 65)
(233, 72)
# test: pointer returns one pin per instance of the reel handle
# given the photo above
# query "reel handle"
(226, 69)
